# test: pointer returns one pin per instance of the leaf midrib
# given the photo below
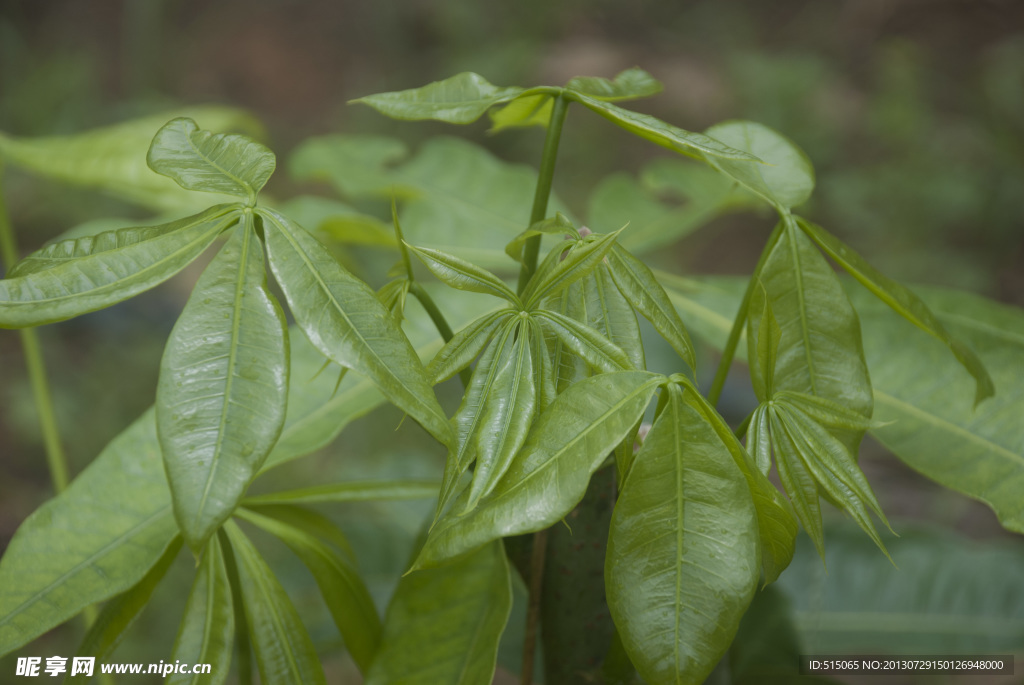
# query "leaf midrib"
(249, 190)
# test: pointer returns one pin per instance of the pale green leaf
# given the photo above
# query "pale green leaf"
(343, 318)
(630, 84)
(284, 652)
(460, 99)
(356, 165)
(525, 110)
(338, 221)
(210, 162)
(78, 549)
(786, 178)
(549, 475)
(443, 625)
(119, 270)
(584, 341)
(559, 224)
(575, 261)
(220, 402)
(352, 491)
(462, 349)
(460, 274)
(682, 551)
(207, 629)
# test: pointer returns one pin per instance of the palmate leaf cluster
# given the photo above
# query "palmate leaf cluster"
(556, 388)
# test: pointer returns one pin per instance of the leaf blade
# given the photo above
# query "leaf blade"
(460, 99)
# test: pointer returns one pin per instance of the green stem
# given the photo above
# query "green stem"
(55, 456)
(543, 191)
(741, 318)
(420, 293)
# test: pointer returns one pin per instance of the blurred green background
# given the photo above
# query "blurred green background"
(911, 110)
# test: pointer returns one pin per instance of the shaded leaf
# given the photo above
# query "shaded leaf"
(559, 224)
(350, 491)
(356, 165)
(630, 84)
(460, 99)
(220, 402)
(462, 275)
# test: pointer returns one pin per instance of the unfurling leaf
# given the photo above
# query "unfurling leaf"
(460, 99)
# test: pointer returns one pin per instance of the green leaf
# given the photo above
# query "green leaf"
(113, 158)
(79, 280)
(759, 439)
(559, 224)
(785, 179)
(460, 99)
(798, 482)
(593, 347)
(462, 349)
(641, 288)
(200, 160)
(630, 84)
(580, 259)
(343, 318)
(549, 475)
(524, 110)
(351, 491)
(339, 221)
(443, 625)
(826, 412)
(763, 345)
(903, 302)
(356, 165)
(207, 630)
(96, 539)
(682, 551)
(660, 133)
(220, 402)
(462, 275)
(343, 590)
(284, 652)
(117, 617)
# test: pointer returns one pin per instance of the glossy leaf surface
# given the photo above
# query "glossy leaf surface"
(682, 552)
(223, 387)
(122, 267)
(581, 258)
(584, 341)
(460, 99)
(550, 473)
(284, 652)
(95, 540)
(200, 160)
(443, 625)
(343, 318)
(462, 349)
(463, 275)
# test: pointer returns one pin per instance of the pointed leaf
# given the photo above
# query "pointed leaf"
(223, 387)
(119, 270)
(682, 551)
(903, 302)
(785, 179)
(660, 133)
(763, 345)
(343, 589)
(460, 99)
(210, 162)
(759, 439)
(597, 350)
(543, 370)
(580, 259)
(798, 481)
(110, 527)
(549, 475)
(524, 110)
(462, 275)
(283, 649)
(462, 349)
(641, 288)
(343, 318)
(352, 491)
(630, 84)
(443, 625)
(207, 630)
(826, 412)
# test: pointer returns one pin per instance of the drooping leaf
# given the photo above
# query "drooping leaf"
(350, 491)
(630, 84)
(525, 110)
(221, 398)
(443, 625)
(462, 349)
(78, 549)
(550, 473)
(343, 318)
(343, 590)
(682, 551)
(118, 615)
(113, 158)
(584, 341)
(209, 162)
(785, 179)
(903, 301)
(120, 269)
(580, 259)
(284, 652)
(462, 275)
(206, 634)
(460, 99)
(641, 288)
(660, 133)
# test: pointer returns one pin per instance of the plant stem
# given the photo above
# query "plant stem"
(741, 318)
(543, 191)
(420, 293)
(540, 543)
(55, 457)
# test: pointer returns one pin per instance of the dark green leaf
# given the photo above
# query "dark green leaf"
(78, 549)
(550, 473)
(593, 347)
(120, 269)
(460, 99)
(443, 625)
(682, 551)
(220, 402)
(352, 491)
(630, 84)
(343, 318)
(284, 652)
(581, 258)
(903, 302)
(462, 275)
(210, 162)
(462, 349)
(207, 629)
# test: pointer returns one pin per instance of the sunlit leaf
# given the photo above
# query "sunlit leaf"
(460, 99)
